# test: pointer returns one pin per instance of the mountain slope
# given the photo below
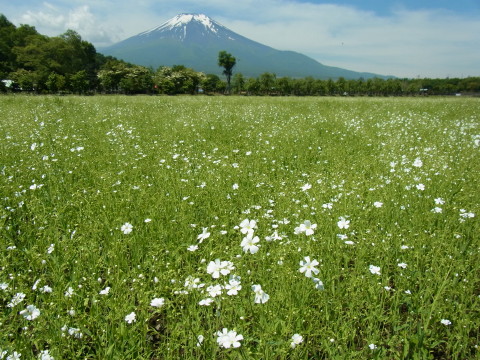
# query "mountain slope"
(194, 40)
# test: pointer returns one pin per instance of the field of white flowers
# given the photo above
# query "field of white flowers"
(239, 228)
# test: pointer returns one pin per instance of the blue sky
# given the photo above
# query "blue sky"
(405, 38)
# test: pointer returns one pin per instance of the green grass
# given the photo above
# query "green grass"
(73, 170)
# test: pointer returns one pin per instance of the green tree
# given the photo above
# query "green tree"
(238, 83)
(267, 83)
(55, 82)
(177, 80)
(330, 87)
(252, 86)
(227, 61)
(79, 82)
(210, 83)
(110, 75)
(137, 79)
(7, 58)
(25, 79)
(341, 86)
(284, 85)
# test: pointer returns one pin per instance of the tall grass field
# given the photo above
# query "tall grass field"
(239, 228)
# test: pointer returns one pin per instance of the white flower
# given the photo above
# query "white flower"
(235, 186)
(374, 269)
(417, 163)
(200, 339)
(17, 299)
(372, 346)
(439, 201)
(464, 214)
(233, 286)
(51, 248)
(46, 289)
(206, 302)
(343, 223)
(45, 355)
(248, 226)
(420, 187)
(378, 204)
(273, 237)
(14, 356)
(192, 283)
(437, 210)
(248, 243)
(306, 187)
(318, 284)
(297, 339)
(69, 292)
(204, 235)
(402, 265)
(130, 318)
(192, 248)
(30, 313)
(105, 291)
(228, 338)
(157, 302)
(126, 228)
(261, 297)
(214, 290)
(307, 227)
(446, 322)
(307, 266)
(217, 267)
(75, 332)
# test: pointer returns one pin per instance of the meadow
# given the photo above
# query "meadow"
(239, 228)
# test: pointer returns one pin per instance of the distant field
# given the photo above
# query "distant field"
(239, 228)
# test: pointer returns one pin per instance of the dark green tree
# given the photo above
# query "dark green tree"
(210, 83)
(7, 58)
(267, 83)
(79, 82)
(284, 85)
(25, 79)
(252, 86)
(227, 61)
(55, 82)
(238, 83)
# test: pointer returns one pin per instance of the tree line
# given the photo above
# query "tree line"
(32, 62)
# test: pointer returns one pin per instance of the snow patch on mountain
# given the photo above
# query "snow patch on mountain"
(182, 20)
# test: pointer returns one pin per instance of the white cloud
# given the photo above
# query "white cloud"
(407, 43)
(53, 20)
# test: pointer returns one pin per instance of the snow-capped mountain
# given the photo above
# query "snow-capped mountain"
(189, 27)
(194, 40)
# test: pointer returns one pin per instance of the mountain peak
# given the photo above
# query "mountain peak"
(181, 22)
